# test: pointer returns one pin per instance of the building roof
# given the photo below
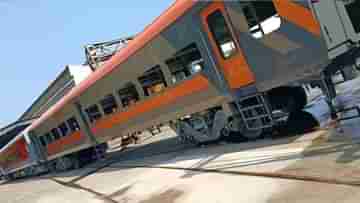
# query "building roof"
(64, 82)
(150, 32)
(33, 109)
(68, 78)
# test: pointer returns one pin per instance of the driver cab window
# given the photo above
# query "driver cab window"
(261, 17)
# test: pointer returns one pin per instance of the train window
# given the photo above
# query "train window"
(73, 124)
(64, 129)
(128, 95)
(186, 62)
(153, 81)
(43, 140)
(93, 113)
(261, 16)
(108, 103)
(55, 133)
(221, 34)
(49, 137)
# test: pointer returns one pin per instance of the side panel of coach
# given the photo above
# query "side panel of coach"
(16, 155)
(195, 93)
(280, 39)
(225, 47)
(340, 24)
(72, 142)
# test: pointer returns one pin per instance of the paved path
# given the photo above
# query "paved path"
(314, 167)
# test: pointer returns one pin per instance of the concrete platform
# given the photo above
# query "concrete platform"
(313, 167)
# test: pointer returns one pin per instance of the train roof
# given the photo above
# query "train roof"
(175, 11)
(11, 131)
(11, 142)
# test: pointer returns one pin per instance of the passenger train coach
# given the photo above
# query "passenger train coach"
(207, 68)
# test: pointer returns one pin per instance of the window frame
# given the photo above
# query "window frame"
(143, 78)
(253, 11)
(128, 85)
(216, 40)
(104, 107)
(71, 127)
(43, 140)
(64, 124)
(91, 117)
(179, 60)
(49, 138)
(55, 133)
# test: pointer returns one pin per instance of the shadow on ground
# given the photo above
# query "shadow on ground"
(164, 150)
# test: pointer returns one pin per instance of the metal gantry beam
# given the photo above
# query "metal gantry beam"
(99, 52)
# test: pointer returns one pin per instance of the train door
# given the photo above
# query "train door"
(340, 23)
(225, 47)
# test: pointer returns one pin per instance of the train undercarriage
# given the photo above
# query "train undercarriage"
(71, 161)
(248, 119)
(78, 159)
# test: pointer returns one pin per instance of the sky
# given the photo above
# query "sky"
(39, 37)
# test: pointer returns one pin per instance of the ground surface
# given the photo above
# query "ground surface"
(320, 166)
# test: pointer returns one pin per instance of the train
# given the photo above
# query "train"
(205, 68)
